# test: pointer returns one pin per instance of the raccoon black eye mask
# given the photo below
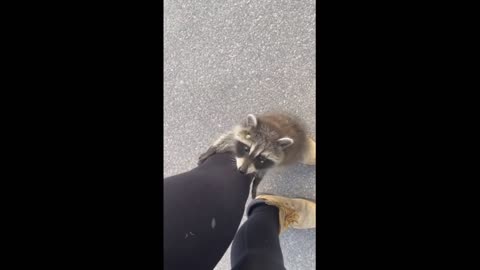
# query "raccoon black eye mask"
(260, 162)
(264, 142)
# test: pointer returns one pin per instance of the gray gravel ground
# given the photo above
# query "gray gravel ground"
(225, 59)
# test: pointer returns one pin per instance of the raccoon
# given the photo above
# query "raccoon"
(264, 142)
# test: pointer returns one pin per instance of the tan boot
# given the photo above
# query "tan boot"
(309, 157)
(292, 212)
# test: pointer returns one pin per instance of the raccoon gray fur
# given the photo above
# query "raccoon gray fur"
(263, 142)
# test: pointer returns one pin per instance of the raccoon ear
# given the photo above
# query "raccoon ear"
(251, 120)
(285, 142)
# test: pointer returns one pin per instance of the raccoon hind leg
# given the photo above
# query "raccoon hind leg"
(309, 155)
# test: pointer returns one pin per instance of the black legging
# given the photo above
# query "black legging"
(202, 211)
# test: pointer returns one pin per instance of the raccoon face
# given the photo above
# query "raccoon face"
(249, 161)
(258, 148)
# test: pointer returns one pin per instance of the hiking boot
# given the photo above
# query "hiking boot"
(296, 213)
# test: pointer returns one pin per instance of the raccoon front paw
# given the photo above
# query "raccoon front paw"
(202, 159)
(206, 155)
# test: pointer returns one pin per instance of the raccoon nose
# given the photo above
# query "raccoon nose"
(242, 170)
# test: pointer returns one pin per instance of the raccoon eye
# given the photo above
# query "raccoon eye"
(247, 149)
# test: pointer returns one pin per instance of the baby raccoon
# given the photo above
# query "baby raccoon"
(264, 142)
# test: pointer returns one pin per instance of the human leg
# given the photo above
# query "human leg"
(257, 245)
(202, 211)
